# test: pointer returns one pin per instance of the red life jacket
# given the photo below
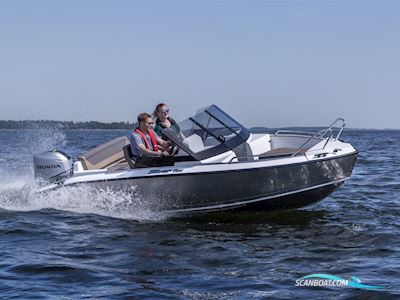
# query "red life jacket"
(152, 137)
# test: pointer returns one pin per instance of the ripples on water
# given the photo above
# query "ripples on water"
(89, 244)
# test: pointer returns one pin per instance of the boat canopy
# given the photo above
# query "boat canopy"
(208, 133)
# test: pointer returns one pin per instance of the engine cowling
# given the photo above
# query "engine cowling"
(52, 166)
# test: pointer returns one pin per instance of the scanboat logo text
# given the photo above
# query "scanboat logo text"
(325, 280)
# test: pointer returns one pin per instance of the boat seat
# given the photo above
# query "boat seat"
(104, 155)
(283, 152)
(128, 156)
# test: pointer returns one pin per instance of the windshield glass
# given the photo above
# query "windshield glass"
(208, 133)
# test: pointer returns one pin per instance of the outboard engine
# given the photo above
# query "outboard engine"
(52, 166)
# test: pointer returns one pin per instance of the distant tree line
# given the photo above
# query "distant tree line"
(29, 124)
(39, 124)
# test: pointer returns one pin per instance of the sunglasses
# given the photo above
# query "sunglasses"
(165, 110)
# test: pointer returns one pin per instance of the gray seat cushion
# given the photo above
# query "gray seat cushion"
(128, 156)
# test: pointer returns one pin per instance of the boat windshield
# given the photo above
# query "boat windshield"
(208, 133)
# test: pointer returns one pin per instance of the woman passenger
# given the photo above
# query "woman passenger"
(163, 120)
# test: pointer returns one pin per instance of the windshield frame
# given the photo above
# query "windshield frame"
(241, 135)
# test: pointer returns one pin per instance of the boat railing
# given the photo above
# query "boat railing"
(321, 134)
(294, 132)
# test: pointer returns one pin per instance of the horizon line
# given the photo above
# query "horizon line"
(134, 123)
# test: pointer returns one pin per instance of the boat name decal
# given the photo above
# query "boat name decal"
(165, 171)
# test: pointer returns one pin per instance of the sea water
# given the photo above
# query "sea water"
(78, 242)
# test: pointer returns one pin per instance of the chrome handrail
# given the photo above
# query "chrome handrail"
(316, 135)
(330, 136)
(341, 129)
(280, 131)
(321, 134)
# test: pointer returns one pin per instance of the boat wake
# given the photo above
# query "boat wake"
(18, 189)
(20, 195)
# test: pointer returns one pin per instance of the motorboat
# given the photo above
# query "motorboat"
(216, 164)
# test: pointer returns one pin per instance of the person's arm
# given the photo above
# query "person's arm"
(148, 152)
(177, 128)
(163, 143)
(164, 146)
(141, 148)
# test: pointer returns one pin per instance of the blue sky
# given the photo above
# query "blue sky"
(269, 63)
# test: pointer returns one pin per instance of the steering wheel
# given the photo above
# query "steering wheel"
(173, 150)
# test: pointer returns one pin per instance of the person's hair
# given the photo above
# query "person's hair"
(142, 117)
(158, 108)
